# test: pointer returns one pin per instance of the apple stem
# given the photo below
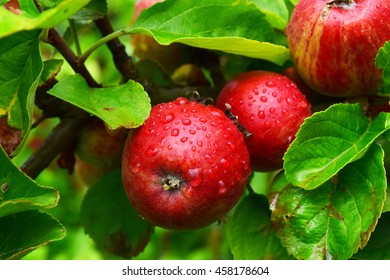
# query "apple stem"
(234, 118)
(171, 182)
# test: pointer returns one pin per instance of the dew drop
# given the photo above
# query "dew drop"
(225, 163)
(272, 110)
(193, 148)
(181, 101)
(285, 112)
(191, 131)
(261, 114)
(209, 158)
(274, 94)
(152, 151)
(263, 99)
(264, 90)
(202, 120)
(256, 91)
(270, 84)
(211, 174)
(167, 118)
(250, 104)
(221, 187)
(208, 135)
(289, 101)
(213, 123)
(184, 139)
(186, 122)
(250, 97)
(175, 132)
(200, 143)
(196, 178)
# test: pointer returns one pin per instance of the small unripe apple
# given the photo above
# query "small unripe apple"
(334, 44)
(99, 147)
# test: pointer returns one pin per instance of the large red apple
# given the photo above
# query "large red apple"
(186, 167)
(334, 44)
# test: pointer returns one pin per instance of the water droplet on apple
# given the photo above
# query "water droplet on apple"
(200, 143)
(285, 112)
(263, 99)
(181, 101)
(264, 90)
(270, 84)
(191, 131)
(272, 110)
(221, 187)
(186, 122)
(202, 120)
(274, 94)
(209, 158)
(193, 148)
(256, 91)
(184, 139)
(152, 151)
(167, 118)
(225, 163)
(289, 101)
(195, 177)
(261, 114)
(175, 132)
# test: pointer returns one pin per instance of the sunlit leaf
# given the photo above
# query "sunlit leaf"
(383, 62)
(328, 141)
(224, 25)
(336, 219)
(11, 23)
(125, 105)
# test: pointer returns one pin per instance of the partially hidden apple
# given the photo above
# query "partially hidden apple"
(186, 167)
(334, 44)
(147, 48)
(271, 108)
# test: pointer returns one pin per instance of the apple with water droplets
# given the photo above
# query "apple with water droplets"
(334, 44)
(186, 166)
(271, 108)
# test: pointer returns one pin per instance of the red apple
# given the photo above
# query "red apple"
(186, 167)
(271, 108)
(334, 43)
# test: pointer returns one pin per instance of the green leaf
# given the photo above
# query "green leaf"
(25, 231)
(50, 70)
(378, 248)
(21, 66)
(11, 23)
(250, 231)
(237, 27)
(276, 12)
(329, 140)
(126, 105)
(94, 10)
(382, 61)
(336, 219)
(19, 193)
(114, 225)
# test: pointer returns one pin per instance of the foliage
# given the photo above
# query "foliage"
(329, 201)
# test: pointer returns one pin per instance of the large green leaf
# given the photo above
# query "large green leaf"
(329, 140)
(111, 221)
(382, 61)
(125, 105)
(25, 231)
(336, 219)
(276, 12)
(237, 27)
(21, 66)
(250, 231)
(11, 23)
(19, 193)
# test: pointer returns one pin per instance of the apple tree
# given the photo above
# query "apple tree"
(78, 78)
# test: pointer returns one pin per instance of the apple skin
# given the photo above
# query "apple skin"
(186, 167)
(334, 45)
(99, 147)
(271, 108)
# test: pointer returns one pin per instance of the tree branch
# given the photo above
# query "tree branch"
(122, 61)
(59, 43)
